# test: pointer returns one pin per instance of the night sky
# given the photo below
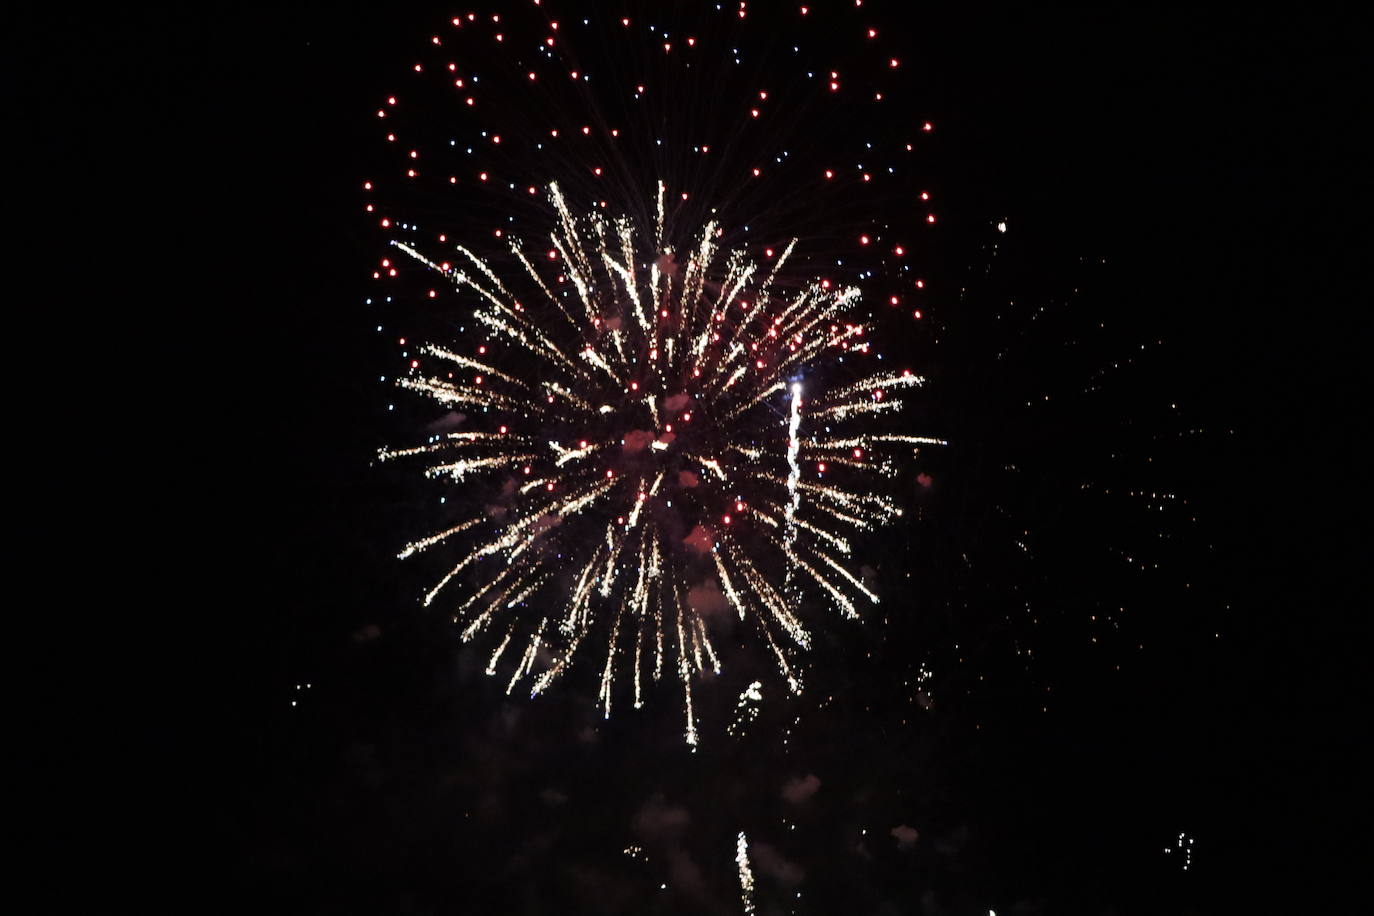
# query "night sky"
(1118, 617)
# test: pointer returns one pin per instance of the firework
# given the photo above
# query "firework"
(661, 426)
(653, 448)
(746, 874)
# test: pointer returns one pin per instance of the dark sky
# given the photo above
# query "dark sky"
(207, 160)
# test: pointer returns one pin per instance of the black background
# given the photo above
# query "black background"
(196, 174)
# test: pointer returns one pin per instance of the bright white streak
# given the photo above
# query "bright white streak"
(789, 536)
(746, 874)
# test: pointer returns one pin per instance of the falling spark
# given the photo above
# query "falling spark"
(746, 874)
(746, 709)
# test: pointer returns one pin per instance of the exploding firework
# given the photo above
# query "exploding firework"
(665, 456)
(660, 425)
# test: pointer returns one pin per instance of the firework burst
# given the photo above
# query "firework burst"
(663, 426)
(663, 456)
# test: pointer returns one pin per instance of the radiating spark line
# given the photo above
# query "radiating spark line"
(844, 574)
(793, 682)
(415, 547)
(450, 440)
(572, 397)
(463, 361)
(685, 673)
(768, 596)
(446, 393)
(885, 381)
(710, 464)
(528, 659)
(728, 587)
(844, 411)
(839, 543)
(706, 642)
(572, 454)
(496, 656)
(605, 695)
(866, 442)
(461, 468)
(539, 282)
(500, 579)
